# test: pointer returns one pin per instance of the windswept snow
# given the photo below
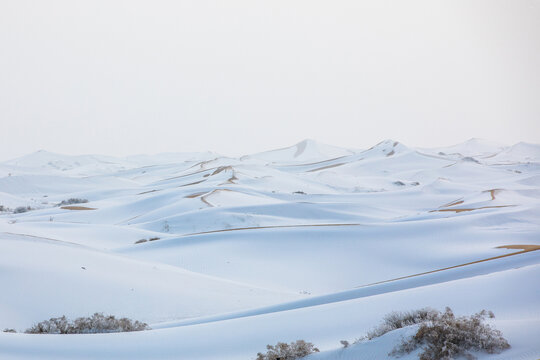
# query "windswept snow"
(225, 255)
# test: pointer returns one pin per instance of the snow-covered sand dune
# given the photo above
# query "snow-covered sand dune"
(225, 255)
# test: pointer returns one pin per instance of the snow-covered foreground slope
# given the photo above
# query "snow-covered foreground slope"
(225, 255)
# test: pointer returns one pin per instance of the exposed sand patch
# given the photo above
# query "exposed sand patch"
(193, 183)
(453, 203)
(524, 249)
(77, 208)
(223, 168)
(192, 196)
(205, 200)
(147, 192)
(230, 180)
(326, 167)
(472, 209)
(493, 192)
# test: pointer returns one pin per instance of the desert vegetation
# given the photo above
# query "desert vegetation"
(97, 323)
(72, 201)
(283, 351)
(22, 209)
(439, 335)
(400, 319)
(443, 336)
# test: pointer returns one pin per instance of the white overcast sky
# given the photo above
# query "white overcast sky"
(236, 77)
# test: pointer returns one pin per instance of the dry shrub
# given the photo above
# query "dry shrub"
(445, 337)
(284, 351)
(399, 319)
(22, 209)
(97, 323)
(72, 201)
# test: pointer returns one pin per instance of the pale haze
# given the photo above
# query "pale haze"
(237, 77)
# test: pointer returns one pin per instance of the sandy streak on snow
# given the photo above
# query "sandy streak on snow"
(524, 249)
(77, 208)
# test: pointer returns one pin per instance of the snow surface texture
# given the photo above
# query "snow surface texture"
(222, 256)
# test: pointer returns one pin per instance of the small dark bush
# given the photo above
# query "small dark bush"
(22, 209)
(284, 351)
(72, 201)
(9, 330)
(445, 337)
(97, 323)
(145, 240)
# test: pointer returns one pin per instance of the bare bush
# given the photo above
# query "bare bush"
(445, 337)
(9, 330)
(5, 209)
(22, 209)
(72, 201)
(345, 343)
(284, 351)
(399, 319)
(97, 323)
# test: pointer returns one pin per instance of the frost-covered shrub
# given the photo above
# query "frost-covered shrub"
(58, 325)
(22, 209)
(97, 323)
(9, 331)
(284, 351)
(446, 337)
(399, 319)
(72, 201)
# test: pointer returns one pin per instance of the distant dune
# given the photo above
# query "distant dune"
(222, 256)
